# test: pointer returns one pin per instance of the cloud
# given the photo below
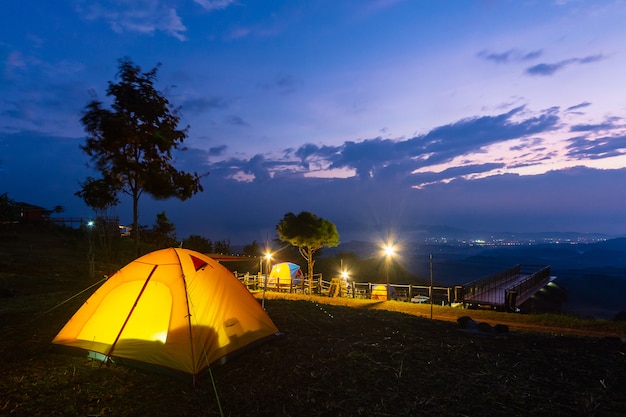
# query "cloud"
(257, 169)
(244, 211)
(366, 9)
(256, 166)
(425, 178)
(218, 150)
(578, 106)
(143, 16)
(549, 69)
(396, 160)
(39, 95)
(446, 142)
(609, 124)
(203, 104)
(14, 63)
(578, 199)
(240, 31)
(193, 160)
(512, 55)
(211, 5)
(604, 147)
(367, 156)
(234, 120)
(283, 84)
(308, 149)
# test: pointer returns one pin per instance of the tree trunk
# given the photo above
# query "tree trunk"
(310, 262)
(136, 221)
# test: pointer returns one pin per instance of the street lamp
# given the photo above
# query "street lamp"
(430, 292)
(89, 230)
(268, 258)
(389, 252)
(344, 279)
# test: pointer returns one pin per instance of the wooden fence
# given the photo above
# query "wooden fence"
(346, 288)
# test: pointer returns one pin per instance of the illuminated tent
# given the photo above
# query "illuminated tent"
(285, 273)
(174, 308)
(379, 292)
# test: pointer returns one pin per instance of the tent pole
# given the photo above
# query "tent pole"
(130, 313)
(189, 324)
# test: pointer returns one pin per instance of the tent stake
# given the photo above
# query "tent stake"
(217, 396)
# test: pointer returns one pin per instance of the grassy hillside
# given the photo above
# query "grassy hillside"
(336, 357)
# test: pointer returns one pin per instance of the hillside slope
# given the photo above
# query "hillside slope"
(331, 360)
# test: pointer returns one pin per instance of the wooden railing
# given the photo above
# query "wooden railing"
(507, 289)
(352, 289)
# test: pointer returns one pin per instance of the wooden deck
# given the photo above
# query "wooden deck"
(507, 289)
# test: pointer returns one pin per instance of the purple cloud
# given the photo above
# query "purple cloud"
(583, 147)
(550, 69)
(508, 56)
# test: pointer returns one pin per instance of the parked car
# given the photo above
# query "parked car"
(420, 299)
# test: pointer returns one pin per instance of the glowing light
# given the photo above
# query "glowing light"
(389, 251)
(160, 337)
(388, 247)
(268, 258)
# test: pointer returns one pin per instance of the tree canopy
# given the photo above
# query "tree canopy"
(308, 233)
(164, 231)
(131, 144)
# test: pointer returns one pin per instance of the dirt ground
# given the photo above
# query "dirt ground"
(334, 361)
(331, 360)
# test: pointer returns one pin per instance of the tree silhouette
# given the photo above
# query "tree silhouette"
(198, 243)
(131, 144)
(252, 250)
(164, 231)
(308, 233)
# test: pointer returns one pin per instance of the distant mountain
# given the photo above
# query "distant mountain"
(422, 233)
(362, 249)
(617, 244)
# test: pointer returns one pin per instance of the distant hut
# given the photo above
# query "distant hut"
(32, 214)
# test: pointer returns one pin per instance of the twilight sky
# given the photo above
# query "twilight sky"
(498, 115)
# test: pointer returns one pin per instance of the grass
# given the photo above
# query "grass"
(542, 323)
(336, 357)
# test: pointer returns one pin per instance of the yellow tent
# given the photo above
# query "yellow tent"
(173, 308)
(379, 292)
(285, 274)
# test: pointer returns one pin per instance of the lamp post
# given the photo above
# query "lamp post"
(268, 258)
(389, 252)
(431, 287)
(89, 230)
(344, 278)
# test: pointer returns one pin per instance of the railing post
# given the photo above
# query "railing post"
(459, 292)
(510, 300)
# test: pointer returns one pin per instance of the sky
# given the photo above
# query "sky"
(378, 115)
